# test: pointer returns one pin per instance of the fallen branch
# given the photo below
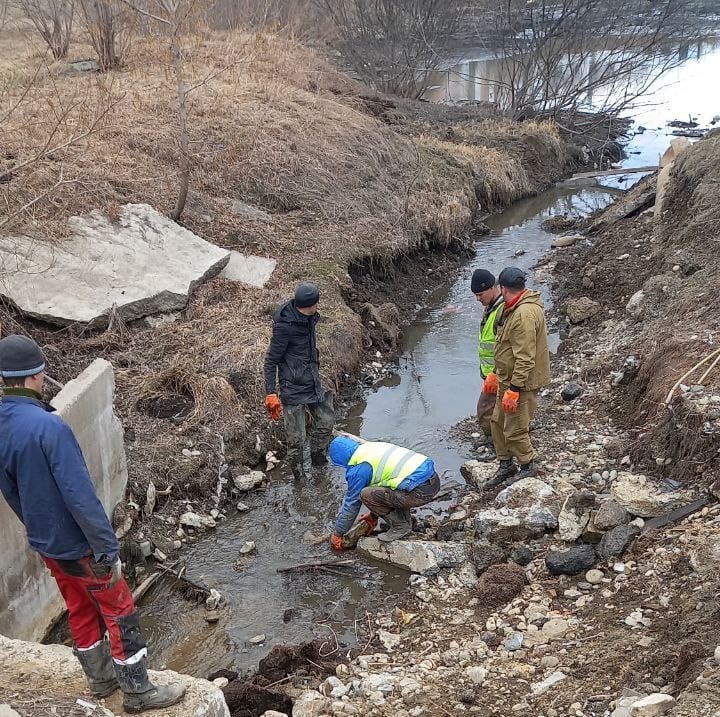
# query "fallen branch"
(194, 590)
(710, 356)
(317, 565)
(144, 586)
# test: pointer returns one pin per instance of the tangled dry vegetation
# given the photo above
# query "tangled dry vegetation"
(275, 126)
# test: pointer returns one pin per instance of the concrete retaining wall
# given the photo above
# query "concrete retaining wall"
(29, 599)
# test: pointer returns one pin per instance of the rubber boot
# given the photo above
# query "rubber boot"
(319, 458)
(400, 522)
(140, 694)
(506, 470)
(298, 471)
(98, 666)
(528, 470)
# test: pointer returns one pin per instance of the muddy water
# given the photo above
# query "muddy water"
(436, 386)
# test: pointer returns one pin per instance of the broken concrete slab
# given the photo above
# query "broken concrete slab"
(248, 269)
(143, 263)
(640, 496)
(28, 667)
(418, 556)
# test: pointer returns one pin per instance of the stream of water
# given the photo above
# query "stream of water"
(436, 386)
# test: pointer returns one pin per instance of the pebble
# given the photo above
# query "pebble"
(257, 640)
(619, 567)
(717, 654)
(242, 507)
(594, 577)
(476, 674)
(555, 628)
(221, 682)
(247, 548)
(549, 662)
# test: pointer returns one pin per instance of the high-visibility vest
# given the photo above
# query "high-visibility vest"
(486, 341)
(391, 464)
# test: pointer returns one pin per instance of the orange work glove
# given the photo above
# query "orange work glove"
(336, 541)
(371, 520)
(491, 384)
(510, 401)
(273, 405)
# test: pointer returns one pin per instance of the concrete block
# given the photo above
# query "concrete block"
(27, 667)
(29, 600)
(142, 264)
(247, 269)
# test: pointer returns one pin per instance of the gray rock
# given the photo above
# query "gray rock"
(652, 706)
(610, 515)
(477, 473)
(141, 264)
(514, 524)
(528, 492)
(195, 520)
(574, 561)
(418, 556)
(640, 496)
(248, 211)
(521, 555)
(616, 540)
(571, 391)
(84, 66)
(581, 309)
(485, 554)
(249, 480)
(572, 521)
(311, 704)
(636, 305)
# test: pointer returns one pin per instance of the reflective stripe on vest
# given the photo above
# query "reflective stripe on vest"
(391, 464)
(486, 342)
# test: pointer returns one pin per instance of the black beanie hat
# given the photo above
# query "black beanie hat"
(20, 356)
(306, 294)
(512, 278)
(482, 280)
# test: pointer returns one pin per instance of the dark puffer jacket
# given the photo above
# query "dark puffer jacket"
(292, 360)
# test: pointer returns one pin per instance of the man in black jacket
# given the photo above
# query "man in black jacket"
(292, 360)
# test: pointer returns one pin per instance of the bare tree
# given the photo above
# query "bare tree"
(109, 25)
(53, 19)
(558, 57)
(394, 44)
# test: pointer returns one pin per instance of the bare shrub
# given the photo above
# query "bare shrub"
(109, 26)
(297, 17)
(53, 19)
(562, 56)
(393, 45)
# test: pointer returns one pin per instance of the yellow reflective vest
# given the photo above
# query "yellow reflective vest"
(391, 464)
(486, 341)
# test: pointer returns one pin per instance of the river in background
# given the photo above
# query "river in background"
(436, 386)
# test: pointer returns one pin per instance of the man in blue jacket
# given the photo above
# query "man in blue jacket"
(45, 481)
(387, 479)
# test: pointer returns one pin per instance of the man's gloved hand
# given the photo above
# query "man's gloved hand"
(491, 384)
(115, 573)
(336, 541)
(273, 405)
(371, 520)
(510, 401)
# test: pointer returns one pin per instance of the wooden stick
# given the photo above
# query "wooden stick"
(318, 564)
(687, 373)
(712, 366)
(180, 576)
(350, 435)
(144, 586)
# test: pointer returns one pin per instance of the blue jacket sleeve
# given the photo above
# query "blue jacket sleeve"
(70, 472)
(9, 489)
(358, 477)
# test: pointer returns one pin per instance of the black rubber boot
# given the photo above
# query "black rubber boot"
(319, 458)
(140, 694)
(506, 471)
(298, 471)
(400, 522)
(526, 471)
(97, 664)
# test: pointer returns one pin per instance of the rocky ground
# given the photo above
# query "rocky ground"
(590, 591)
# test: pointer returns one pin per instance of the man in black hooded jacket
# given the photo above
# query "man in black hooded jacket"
(292, 361)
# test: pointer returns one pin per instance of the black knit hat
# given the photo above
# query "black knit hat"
(20, 356)
(512, 278)
(482, 280)
(306, 294)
